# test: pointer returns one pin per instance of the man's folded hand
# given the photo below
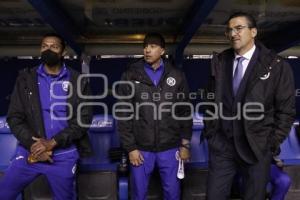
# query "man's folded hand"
(41, 145)
(43, 157)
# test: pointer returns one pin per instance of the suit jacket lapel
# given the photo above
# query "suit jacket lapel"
(227, 71)
(260, 68)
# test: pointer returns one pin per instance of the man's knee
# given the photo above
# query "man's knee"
(283, 181)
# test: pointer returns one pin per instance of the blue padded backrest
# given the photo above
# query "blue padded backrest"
(100, 133)
(105, 124)
(8, 144)
(198, 121)
(296, 69)
(199, 150)
(4, 128)
(290, 148)
(102, 124)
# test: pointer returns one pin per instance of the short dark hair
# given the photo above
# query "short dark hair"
(251, 20)
(62, 41)
(154, 38)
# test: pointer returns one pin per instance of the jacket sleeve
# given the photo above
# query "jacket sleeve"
(125, 126)
(16, 116)
(284, 106)
(185, 111)
(75, 131)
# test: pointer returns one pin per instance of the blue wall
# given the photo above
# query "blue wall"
(295, 63)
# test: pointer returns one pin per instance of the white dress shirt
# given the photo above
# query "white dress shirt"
(248, 55)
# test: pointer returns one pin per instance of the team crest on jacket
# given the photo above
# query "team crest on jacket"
(171, 81)
(65, 85)
(265, 77)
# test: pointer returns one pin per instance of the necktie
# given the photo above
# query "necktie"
(238, 75)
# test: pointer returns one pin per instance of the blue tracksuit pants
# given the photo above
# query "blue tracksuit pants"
(167, 165)
(60, 175)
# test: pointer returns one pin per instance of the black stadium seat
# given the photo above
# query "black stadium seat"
(39, 189)
(97, 177)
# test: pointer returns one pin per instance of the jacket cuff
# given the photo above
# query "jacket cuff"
(186, 134)
(131, 148)
(275, 146)
(59, 139)
(28, 144)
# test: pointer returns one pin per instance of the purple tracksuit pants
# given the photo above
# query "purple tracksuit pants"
(167, 165)
(60, 175)
(280, 182)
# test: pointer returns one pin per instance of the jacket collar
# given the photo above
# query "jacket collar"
(261, 67)
(63, 71)
(141, 76)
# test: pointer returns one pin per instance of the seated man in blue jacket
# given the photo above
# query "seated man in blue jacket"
(43, 117)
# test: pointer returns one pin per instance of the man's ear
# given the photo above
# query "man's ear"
(64, 53)
(254, 32)
(162, 51)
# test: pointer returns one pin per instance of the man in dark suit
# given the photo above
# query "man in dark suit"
(255, 98)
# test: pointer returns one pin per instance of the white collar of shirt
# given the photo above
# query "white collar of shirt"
(248, 55)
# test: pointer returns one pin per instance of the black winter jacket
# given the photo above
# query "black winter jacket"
(146, 132)
(271, 83)
(26, 120)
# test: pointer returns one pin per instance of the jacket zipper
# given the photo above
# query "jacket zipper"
(29, 93)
